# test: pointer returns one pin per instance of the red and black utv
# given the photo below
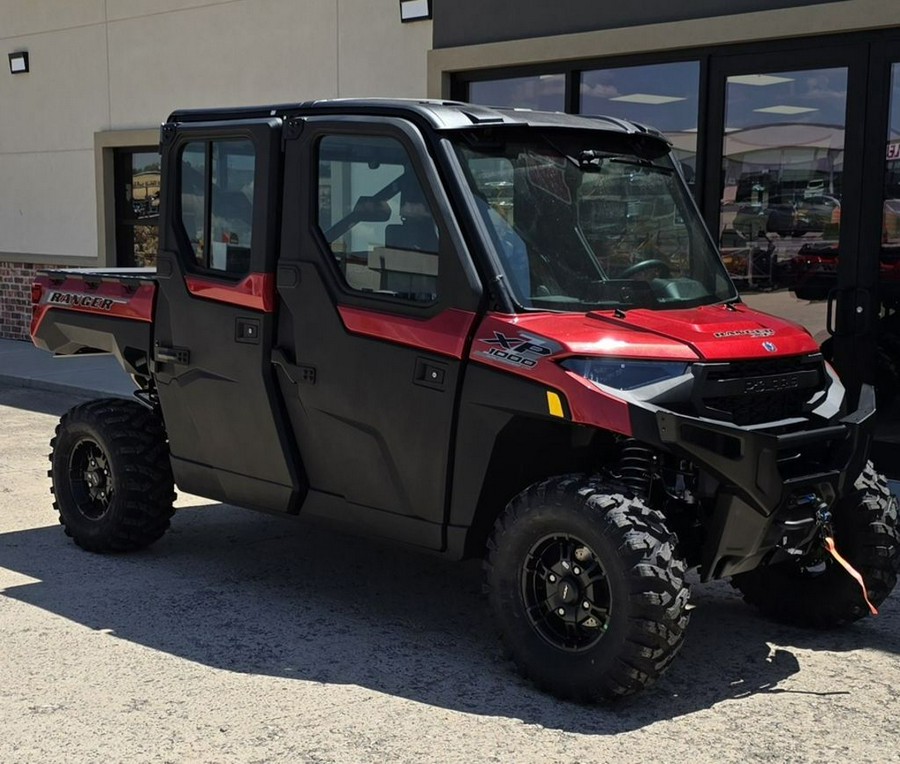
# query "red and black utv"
(482, 333)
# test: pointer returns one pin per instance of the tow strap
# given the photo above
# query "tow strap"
(832, 550)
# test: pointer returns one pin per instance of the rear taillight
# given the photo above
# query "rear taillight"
(37, 291)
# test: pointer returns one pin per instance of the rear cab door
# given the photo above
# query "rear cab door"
(378, 301)
(216, 313)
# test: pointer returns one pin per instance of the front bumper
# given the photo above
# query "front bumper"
(760, 475)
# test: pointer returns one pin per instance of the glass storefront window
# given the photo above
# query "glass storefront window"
(782, 180)
(545, 92)
(137, 206)
(782, 166)
(887, 374)
(890, 227)
(664, 96)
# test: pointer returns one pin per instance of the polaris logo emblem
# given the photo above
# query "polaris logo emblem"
(770, 347)
(775, 384)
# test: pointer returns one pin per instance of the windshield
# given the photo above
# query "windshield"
(581, 221)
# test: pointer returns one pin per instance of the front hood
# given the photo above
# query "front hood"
(711, 333)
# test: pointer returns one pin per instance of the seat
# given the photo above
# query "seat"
(417, 234)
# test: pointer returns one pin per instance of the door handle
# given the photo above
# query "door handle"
(829, 311)
(163, 354)
(246, 330)
(294, 372)
(430, 373)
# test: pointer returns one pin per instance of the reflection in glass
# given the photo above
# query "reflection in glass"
(545, 92)
(887, 362)
(231, 205)
(217, 180)
(890, 229)
(376, 219)
(579, 222)
(136, 193)
(781, 204)
(193, 196)
(664, 96)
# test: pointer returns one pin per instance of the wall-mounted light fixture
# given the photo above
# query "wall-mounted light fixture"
(415, 10)
(18, 62)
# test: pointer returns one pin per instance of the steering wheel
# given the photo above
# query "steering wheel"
(645, 265)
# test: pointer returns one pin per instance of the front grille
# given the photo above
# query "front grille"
(753, 392)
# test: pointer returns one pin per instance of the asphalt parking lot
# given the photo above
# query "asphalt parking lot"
(243, 637)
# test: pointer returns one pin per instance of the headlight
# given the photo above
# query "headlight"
(623, 373)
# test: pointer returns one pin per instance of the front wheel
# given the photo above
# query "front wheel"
(587, 588)
(111, 475)
(818, 592)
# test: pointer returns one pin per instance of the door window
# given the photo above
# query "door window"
(376, 219)
(217, 203)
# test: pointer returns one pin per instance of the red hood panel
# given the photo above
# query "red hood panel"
(710, 332)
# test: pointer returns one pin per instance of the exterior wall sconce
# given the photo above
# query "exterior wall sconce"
(415, 10)
(18, 62)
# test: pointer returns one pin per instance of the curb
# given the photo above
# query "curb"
(58, 387)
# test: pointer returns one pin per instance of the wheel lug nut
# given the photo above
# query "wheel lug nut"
(586, 605)
(576, 571)
(561, 611)
(551, 578)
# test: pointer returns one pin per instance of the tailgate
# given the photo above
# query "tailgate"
(80, 310)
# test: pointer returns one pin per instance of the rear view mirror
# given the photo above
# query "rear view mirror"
(368, 209)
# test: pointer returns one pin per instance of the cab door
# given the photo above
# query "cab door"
(378, 302)
(216, 312)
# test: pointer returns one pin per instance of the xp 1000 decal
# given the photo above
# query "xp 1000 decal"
(522, 350)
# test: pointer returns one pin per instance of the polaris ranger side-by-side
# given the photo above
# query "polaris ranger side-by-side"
(483, 333)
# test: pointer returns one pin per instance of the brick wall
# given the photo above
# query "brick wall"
(15, 298)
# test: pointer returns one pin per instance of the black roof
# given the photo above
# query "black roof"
(440, 115)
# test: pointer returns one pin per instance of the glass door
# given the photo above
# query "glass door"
(785, 137)
(883, 237)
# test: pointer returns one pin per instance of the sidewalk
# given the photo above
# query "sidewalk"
(23, 365)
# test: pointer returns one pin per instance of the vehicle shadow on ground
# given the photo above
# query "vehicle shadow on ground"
(42, 401)
(238, 591)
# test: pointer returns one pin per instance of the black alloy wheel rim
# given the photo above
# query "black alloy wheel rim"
(90, 478)
(566, 592)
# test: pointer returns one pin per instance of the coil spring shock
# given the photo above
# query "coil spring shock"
(636, 467)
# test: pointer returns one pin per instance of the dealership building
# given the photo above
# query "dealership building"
(785, 115)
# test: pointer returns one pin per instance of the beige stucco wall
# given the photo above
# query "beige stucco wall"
(109, 65)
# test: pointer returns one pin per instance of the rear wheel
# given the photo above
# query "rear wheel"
(587, 589)
(111, 476)
(818, 592)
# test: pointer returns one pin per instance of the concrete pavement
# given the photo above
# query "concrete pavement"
(241, 637)
(23, 365)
